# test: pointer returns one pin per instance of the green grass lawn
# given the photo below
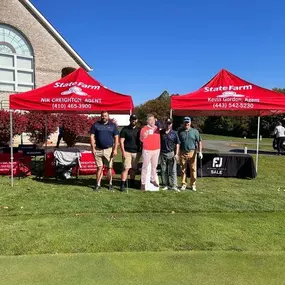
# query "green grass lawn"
(231, 231)
(145, 268)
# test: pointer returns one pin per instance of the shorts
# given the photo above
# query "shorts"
(103, 157)
(131, 160)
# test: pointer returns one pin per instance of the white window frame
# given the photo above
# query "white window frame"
(15, 68)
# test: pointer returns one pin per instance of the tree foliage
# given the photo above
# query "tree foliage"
(160, 107)
(74, 125)
(36, 126)
(19, 125)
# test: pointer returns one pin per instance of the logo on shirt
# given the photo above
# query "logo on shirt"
(217, 162)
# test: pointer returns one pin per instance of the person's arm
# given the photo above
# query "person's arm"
(122, 142)
(122, 146)
(200, 146)
(116, 142)
(177, 151)
(143, 134)
(115, 147)
(92, 140)
(93, 144)
(275, 131)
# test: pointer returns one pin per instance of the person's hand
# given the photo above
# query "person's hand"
(176, 157)
(124, 155)
(145, 134)
(93, 151)
(200, 155)
(114, 153)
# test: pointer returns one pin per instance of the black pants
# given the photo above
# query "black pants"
(58, 140)
(280, 144)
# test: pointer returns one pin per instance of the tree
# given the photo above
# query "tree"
(36, 126)
(160, 107)
(74, 125)
(19, 125)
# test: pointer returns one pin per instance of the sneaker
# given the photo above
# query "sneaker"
(175, 189)
(165, 188)
(143, 187)
(110, 187)
(183, 188)
(154, 183)
(97, 188)
(123, 184)
(193, 188)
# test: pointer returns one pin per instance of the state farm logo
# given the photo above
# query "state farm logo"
(228, 94)
(228, 88)
(74, 90)
(217, 162)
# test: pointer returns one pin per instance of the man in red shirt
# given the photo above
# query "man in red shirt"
(150, 138)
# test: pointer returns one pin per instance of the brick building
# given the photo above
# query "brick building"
(32, 52)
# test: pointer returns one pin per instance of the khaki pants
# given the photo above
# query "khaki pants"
(189, 158)
(103, 157)
(131, 161)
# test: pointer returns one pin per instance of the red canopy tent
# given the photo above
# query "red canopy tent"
(228, 95)
(77, 92)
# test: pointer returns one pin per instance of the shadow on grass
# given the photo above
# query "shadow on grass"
(88, 181)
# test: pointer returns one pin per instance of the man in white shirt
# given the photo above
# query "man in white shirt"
(279, 133)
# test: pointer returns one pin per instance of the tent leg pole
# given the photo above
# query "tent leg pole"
(11, 148)
(46, 118)
(257, 143)
(171, 115)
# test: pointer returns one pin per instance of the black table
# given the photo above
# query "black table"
(226, 165)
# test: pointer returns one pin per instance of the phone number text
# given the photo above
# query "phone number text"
(234, 105)
(71, 106)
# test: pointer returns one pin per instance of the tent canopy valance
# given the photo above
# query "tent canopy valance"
(77, 92)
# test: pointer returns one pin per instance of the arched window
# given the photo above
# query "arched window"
(16, 61)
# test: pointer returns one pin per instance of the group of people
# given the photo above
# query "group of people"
(154, 142)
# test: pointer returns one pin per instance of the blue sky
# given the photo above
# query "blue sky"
(143, 47)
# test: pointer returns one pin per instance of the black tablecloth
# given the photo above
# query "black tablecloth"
(226, 165)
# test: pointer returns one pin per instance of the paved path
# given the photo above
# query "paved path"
(227, 146)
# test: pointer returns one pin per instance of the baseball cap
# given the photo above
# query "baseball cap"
(133, 117)
(187, 119)
(168, 121)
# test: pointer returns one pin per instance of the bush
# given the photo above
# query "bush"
(74, 125)
(36, 126)
(19, 125)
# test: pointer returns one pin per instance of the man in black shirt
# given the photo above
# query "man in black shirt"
(170, 147)
(131, 151)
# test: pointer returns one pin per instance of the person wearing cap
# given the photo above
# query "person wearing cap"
(190, 141)
(169, 155)
(150, 138)
(131, 151)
